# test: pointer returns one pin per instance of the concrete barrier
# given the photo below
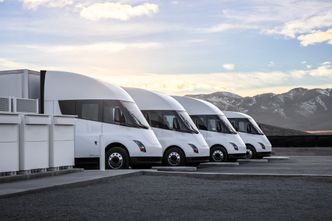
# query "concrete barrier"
(9, 142)
(62, 141)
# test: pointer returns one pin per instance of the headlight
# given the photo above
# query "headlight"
(262, 145)
(140, 145)
(195, 149)
(235, 146)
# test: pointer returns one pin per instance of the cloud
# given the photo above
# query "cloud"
(316, 37)
(324, 70)
(226, 27)
(102, 47)
(305, 25)
(118, 11)
(288, 18)
(229, 67)
(181, 83)
(34, 4)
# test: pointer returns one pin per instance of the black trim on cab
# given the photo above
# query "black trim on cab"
(263, 154)
(197, 159)
(42, 91)
(146, 160)
(237, 156)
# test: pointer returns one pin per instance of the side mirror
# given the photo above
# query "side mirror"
(249, 129)
(118, 116)
(218, 127)
(176, 124)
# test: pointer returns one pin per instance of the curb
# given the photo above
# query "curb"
(20, 177)
(73, 184)
(175, 169)
(232, 175)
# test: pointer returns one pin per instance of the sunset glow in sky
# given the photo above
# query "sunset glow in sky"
(178, 47)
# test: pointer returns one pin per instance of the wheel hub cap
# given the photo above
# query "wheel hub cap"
(115, 160)
(174, 159)
(249, 154)
(217, 155)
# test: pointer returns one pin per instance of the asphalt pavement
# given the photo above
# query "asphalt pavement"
(302, 165)
(207, 194)
(178, 198)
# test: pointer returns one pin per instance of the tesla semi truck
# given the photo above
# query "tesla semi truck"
(182, 142)
(108, 120)
(258, 146)
(225, 143)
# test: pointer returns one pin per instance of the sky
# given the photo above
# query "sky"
(178, 47)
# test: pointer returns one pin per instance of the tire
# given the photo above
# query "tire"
(251, 152)
(116, 158)
(218, 154)
(174, 157)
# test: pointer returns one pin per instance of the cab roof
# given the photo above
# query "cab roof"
(197, 106)
(233, 114)
(150, 100)
(61, 85)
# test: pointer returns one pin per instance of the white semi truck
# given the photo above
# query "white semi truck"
(108, 118)
(225, 143)
(258, 145)
(182, 142)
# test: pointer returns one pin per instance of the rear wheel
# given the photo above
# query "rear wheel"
(251, 152)
(116, 158)
(218, 154)
(174, 157)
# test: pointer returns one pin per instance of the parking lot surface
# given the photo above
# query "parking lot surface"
(319, 165)
(157, 196)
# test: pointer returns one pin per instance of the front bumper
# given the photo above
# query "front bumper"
(146, 160)
(197, 159)
(237, 156)
(263, 154)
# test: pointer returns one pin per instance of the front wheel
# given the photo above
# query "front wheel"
(251, 152)
(174, 157)
(116, 158)
(218, 154)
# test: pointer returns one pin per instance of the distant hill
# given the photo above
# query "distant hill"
(270, 130)
(299, 109)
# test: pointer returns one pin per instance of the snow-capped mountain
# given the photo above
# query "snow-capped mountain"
(299, 108)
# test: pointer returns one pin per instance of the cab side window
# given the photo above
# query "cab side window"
(234, 123)
(243, 125)
(68, 107)
(199, 122)
(155, 119)
(89, 109)
(113, 113)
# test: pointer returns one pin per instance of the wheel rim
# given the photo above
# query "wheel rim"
(249, 153)
(115, 160)
(174, 159)
(217, 155)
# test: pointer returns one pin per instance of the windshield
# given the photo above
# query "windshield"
(135, 114)
(227, 124)
(255, 125)
(187, 121)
